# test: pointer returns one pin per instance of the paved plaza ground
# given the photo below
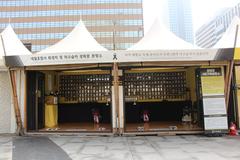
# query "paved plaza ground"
(120, 148)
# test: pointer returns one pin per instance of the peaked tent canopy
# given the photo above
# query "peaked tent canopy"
(228, 38)
(160, 38)
(12, 44)
(78, 40)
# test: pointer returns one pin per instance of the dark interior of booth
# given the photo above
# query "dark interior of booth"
(165, 95)
(158, 111)
(82, 112)
(79, 97)
(163, 116)
(80, 116)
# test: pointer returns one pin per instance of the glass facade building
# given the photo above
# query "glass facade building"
(212, 31)
(180, 19)
(45, 22)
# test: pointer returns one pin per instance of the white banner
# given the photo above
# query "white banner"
(215, 113)
(67, 58)
(214, 106)
(215, 123)
(166, 55)
(119, 56)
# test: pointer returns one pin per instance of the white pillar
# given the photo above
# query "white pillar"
(114, 118)
(121, 108)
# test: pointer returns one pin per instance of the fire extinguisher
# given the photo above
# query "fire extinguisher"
(145, 116)
(233, 129)
(96, 116)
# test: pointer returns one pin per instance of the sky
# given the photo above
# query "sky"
(203, 10)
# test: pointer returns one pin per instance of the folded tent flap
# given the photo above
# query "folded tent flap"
(11, 46)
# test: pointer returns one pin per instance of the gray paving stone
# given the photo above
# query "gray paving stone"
(133, 148)
(175, 154)
(118, 155)
(6, 148)
(37, 148)
(93, 150)
(142, 149)
(116, 146)
(207, 156)
(147, 156)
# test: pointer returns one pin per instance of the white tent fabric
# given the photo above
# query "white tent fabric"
(1, 55)
(1, 64)
(228, 38)
(78, 40)
(1, 50)
(12, 44)
(160, 38)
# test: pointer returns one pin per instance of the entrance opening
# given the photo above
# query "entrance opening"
(80, 117)
(161, 99)
(74, 101)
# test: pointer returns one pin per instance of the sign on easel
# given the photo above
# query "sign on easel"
(214, 106)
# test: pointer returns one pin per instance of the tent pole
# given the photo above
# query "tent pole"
(19, 130)
(116, 84)
(226, 78)
(231, 71)
(116, 94)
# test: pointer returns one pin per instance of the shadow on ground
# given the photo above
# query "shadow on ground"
(37, 148)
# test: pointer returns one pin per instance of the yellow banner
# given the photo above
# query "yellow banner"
(238, 103)
(237, 54)
(237, 74)
(213, 85)
(51, 116)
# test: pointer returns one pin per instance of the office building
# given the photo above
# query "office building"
(180, 19)
(45, 22)
(210, 33)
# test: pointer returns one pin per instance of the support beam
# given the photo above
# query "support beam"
(116, 96)
(226, 80)
(19, 130)
(229, 80)
(230, 76)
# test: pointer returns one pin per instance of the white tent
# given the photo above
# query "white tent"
(78, 40)
(228, 38)
(12, 44)
(160, 38)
